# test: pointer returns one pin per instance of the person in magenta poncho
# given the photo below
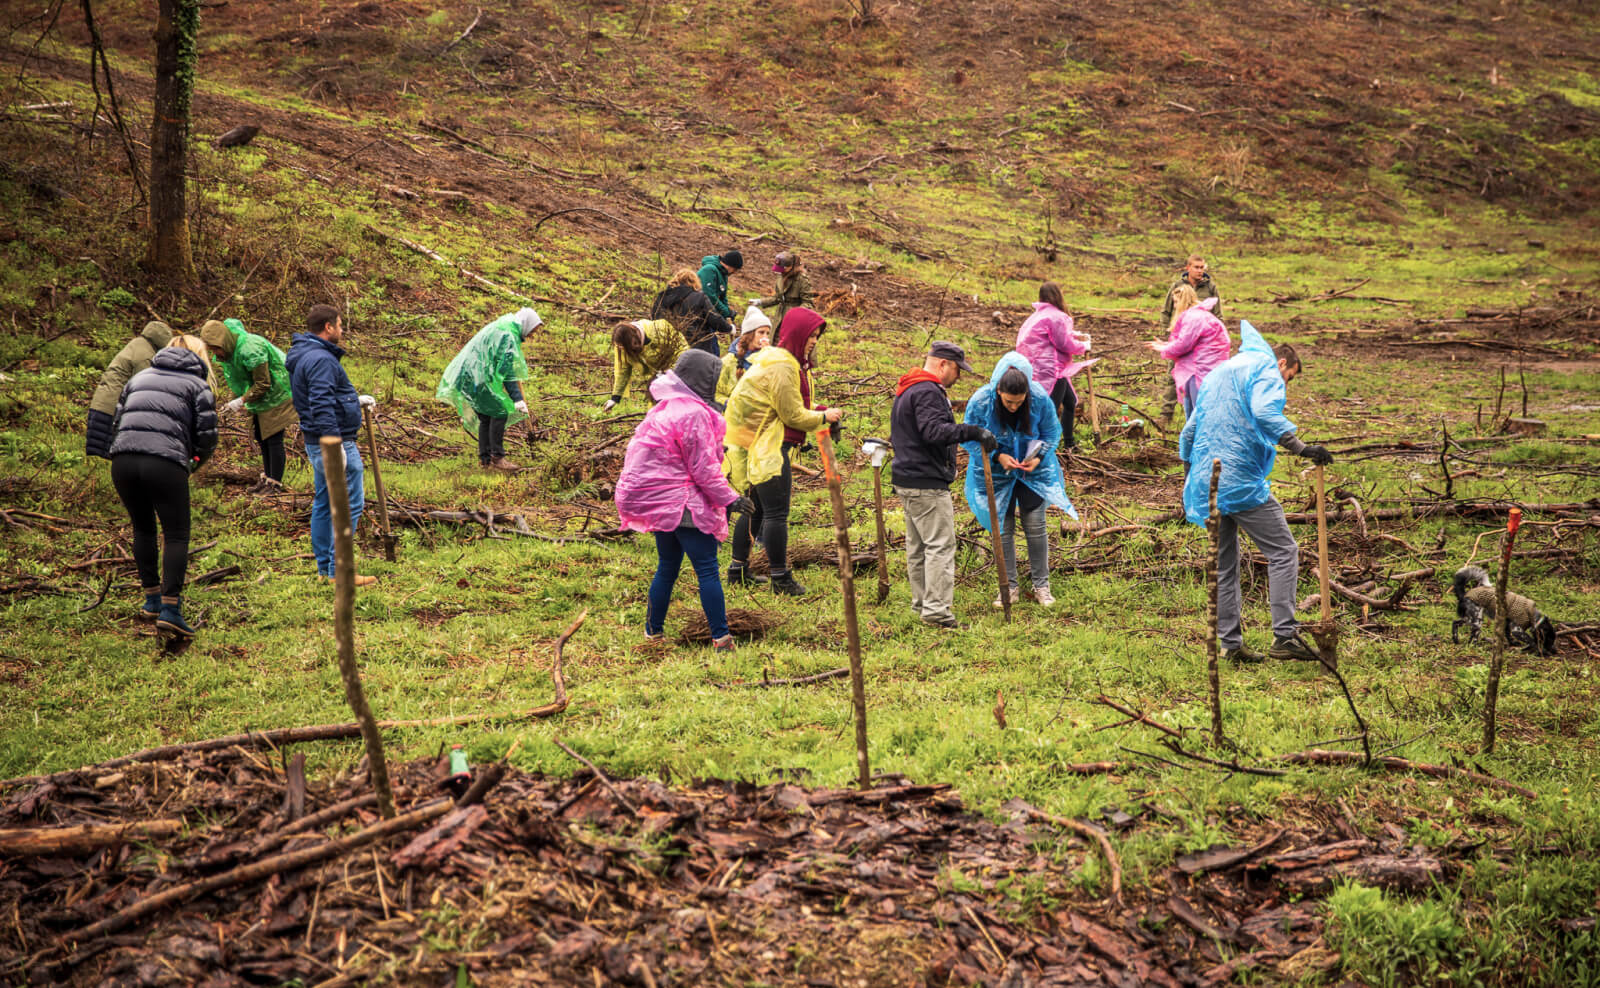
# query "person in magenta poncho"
(1049, 342)
(672, 486)
(1196, 343)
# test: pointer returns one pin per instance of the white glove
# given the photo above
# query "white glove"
(755, 300)
(367, 401)
(233, 406)
(521, 406)
(609, 405)
(1087, 341)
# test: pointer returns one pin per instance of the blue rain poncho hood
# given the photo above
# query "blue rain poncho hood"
(1046, 480)
(475, 381)
(1238, 419)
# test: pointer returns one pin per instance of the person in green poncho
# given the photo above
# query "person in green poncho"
(483, 382)
(253, 368)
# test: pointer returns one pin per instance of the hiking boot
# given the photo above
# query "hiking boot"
(1244, 655)
(1043, 597)
(739, 575)
(724, 644)
(503, 464)
(269, 486)
(948, 624)
(1012, 592)
(786, 584)
(152, 605)
(171, 619)
(255, 488)
(1292, 649)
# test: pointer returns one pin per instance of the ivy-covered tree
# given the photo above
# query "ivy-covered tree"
(177, 29)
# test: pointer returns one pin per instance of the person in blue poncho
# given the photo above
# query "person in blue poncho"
(1239, 420)
(1026, 473)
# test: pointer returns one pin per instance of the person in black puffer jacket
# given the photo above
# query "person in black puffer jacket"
(691, 311)
(165, 428)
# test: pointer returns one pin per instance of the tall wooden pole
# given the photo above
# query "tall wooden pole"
(1502, 631)
(847, 580)
(1214, 529)
(1094, 405)
(344, 610)
(369, 416)
(1323, 578)
(994, 532)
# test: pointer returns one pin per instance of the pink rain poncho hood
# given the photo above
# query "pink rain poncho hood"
(674, 463)
(1049, 343)
(1197, 344)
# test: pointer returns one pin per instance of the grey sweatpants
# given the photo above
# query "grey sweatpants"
(930, 551)
(1269, 530)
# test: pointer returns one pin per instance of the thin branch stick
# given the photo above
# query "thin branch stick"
(1502, 631)
(1231, 765)
(599, 775)
(1390, 763)
(463, 35)
(797, 681)
(1213, 618)
(1136, 715)
(1095, 834)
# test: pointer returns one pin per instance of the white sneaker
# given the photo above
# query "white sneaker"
(1012, 592)
(1043, 597)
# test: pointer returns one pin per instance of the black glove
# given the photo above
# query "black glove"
(1317, 454)
(743, 506)
(987, 440)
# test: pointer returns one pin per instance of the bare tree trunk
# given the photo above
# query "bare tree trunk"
(177, 26)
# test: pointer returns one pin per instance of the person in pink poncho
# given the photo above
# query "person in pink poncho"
(1049, 342)
(1196, 342)
(672, 486)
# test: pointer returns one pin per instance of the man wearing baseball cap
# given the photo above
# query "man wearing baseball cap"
(924, 432)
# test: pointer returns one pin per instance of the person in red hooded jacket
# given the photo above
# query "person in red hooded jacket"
(774, 394)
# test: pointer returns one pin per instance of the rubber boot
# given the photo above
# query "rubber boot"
(785, 583)
(739, 575)
(171, 618)
(152, 604)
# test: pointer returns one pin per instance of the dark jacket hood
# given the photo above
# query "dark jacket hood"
(174, 358)
(699, 370)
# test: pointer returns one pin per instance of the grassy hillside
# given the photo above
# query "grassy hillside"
(933, 167)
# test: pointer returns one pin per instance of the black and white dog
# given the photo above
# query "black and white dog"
(1475, 597)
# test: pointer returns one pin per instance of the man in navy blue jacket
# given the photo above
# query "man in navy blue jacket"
(328, 405)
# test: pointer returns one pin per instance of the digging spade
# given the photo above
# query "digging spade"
(994, 531)
(878, 450)
(377, 480)
(1325, 632)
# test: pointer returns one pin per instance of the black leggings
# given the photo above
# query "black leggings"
(491, 438)
(1066, 404)
(771, 518)
(271, 451)
(152, 488)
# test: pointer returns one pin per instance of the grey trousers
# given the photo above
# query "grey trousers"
(1269, 530)
(1038, 544)
(930, 551)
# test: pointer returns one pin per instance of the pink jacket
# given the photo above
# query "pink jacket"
(1197, 344)
(1049, 343)
(674, 461)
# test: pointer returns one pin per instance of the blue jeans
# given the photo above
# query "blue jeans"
(701, 549)
(321, 514)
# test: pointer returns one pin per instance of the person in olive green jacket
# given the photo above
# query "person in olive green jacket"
(254, 370)
(130, 360)
(793, 289)
(648, 346)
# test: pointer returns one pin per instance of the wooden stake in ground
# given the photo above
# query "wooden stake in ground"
(1326, 633)
(1094, 406)
(878, 450)
(847, 580)
(377, 479)
(1213, 677)
(994, 532)
(1502, 631)
(344, 607)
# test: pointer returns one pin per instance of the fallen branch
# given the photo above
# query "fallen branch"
(1393, 764)
(797, 681)
(1095, 834)
(1133, 715)
(604, 781)
(463, 35)
(44, 841)
(1389, 603)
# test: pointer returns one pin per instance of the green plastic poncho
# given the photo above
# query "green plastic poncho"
(249, 352)
(475, 381)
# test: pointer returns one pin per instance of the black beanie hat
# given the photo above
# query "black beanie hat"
(733, 259)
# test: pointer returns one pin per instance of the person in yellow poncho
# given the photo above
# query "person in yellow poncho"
(644, 346)
(769, 414)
